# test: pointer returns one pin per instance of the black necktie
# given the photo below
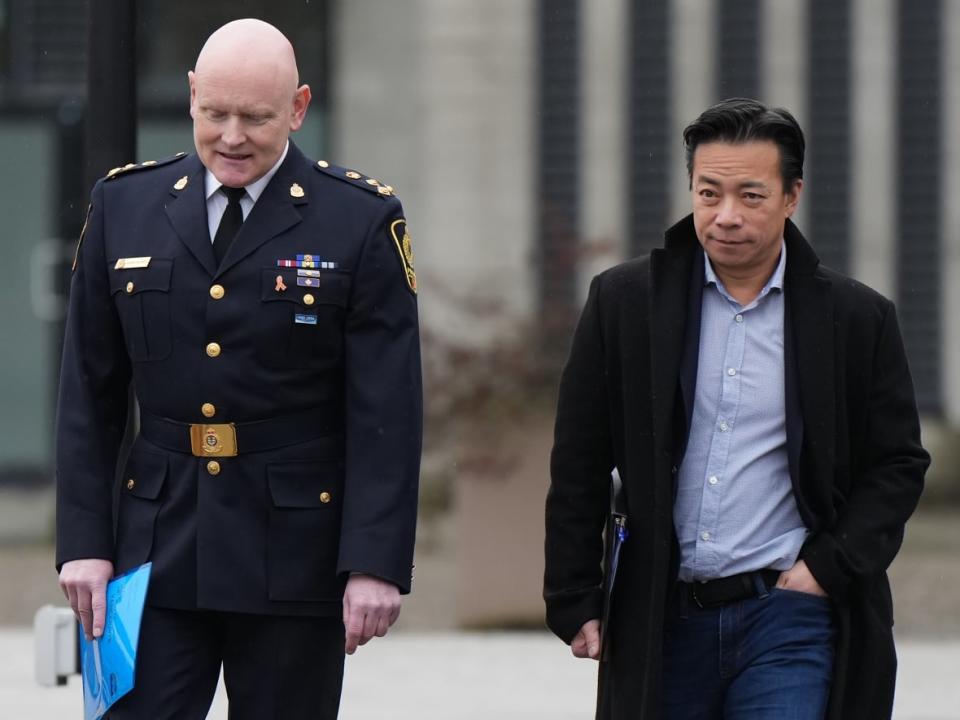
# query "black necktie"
(230, 222)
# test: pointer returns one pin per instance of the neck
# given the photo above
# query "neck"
(745, 286)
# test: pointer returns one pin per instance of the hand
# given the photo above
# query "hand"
(586, 643)
(800, 579)
(370, 607)
(84, 582)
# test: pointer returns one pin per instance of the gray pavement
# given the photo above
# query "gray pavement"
(471, 676)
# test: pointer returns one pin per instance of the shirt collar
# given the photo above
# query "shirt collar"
(774, 282)
(254, 189)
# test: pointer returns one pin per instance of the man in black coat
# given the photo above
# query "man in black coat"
(263, 306)
(760, 411)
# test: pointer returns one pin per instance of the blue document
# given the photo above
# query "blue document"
(107, 664)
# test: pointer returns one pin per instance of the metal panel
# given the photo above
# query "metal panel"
(649, 74)
(738, 50)
(828, 131)
(558, 166)
(918, 195)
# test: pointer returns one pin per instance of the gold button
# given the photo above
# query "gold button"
(353, 175)
(323, 163)
(213, 349)
(131, 483)
(324, 497)
(130, 287)
(308, 299)
(217, 292)
(213, 467)
(208, 409)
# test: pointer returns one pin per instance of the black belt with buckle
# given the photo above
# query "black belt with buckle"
(721, 591)
(216, 440)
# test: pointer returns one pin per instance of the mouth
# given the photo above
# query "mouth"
(234, 157)
(727, 241)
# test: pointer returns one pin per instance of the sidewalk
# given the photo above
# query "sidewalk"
(471, 676)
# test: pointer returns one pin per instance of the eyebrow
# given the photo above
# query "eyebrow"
(744, 185)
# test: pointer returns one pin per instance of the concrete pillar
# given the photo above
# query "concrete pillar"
(436, 96)
(874, 160)
(603, 115)
(951, 212)
(784, 58)
(693, 29)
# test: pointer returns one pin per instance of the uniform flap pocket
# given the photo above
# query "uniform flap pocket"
(305, 484)
(327, 287)
(146, 473)
(155, 276)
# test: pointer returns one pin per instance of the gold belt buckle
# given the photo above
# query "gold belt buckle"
(208, 440)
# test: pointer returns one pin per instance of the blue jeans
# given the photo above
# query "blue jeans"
(764, 658)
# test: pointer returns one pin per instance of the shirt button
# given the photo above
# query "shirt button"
(213, 467)
(131, 484)
(723, 426)
(713, 480)
(213, 349)
(705, 535)
(208, 410)
(217, 292)
(731, 371)
(739, 318)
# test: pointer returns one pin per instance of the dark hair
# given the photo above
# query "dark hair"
(740, 120)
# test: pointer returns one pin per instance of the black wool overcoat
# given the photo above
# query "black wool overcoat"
(854, 451)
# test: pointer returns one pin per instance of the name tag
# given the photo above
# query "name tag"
(134, 262)
(304, 319)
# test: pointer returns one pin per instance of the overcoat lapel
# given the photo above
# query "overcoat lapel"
(809, 367)
(670, 272)
(187, 212)
(274, 212)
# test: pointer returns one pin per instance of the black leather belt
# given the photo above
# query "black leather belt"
(230, 439)
(721, 591)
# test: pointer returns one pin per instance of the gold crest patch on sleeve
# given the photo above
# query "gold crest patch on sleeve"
(404, 245)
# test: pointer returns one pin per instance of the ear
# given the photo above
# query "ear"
(301, 101)
(793, 197)
(192, 81)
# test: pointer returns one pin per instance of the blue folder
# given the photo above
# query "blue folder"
(107, 664)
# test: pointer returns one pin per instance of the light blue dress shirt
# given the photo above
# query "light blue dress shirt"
(735, 510)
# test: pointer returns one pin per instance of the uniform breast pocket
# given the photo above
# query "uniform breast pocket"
(304, 530)
(142, 297)
(300, 322)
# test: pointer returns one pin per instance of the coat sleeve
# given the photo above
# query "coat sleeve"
(384, 408)
(580, 466)
(887, 478)
(92, 402)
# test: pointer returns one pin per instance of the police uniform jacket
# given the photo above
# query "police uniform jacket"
(317, 371)
(853, 447)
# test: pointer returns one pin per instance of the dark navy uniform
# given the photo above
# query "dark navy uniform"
(280, 406)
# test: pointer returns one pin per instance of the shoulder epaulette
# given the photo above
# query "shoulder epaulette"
(118, 171)
(356, 179)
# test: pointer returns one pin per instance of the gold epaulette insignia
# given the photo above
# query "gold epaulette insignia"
(123, 169)
(365, 182)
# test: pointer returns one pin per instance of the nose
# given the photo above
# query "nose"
(233, 133)
(728, 214)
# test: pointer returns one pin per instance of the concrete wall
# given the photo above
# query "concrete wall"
(436, 98)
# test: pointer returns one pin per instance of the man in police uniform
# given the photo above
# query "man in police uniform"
(264, 308)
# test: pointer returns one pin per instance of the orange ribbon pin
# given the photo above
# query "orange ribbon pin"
(280, 284)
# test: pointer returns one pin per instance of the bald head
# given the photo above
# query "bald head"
(242, 45)
(245, 100)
